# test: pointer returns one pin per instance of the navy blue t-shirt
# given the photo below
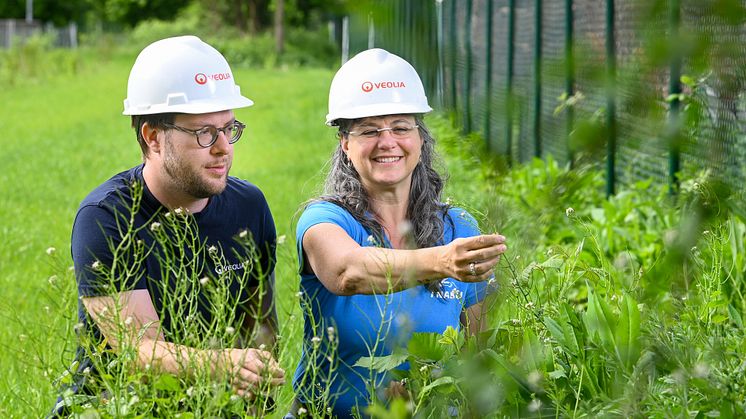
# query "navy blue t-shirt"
(106, 215)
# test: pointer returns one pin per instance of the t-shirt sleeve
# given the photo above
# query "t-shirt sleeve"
(99, 269)
(318, 213)
(464, 224)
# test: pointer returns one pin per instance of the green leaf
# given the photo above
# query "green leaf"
(167, 382)
(735, 316)
(688, 80)
(426, 346)
(628, 333)
(556, 374)
(600, 320)
(381, 363)
(439, 382)
(451, 336)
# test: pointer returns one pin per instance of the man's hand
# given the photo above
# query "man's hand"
(251, 370)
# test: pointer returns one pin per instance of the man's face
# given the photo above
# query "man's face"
(194, 170)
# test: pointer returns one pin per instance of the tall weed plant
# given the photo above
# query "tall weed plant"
(626, 306)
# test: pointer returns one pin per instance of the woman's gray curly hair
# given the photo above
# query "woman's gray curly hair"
(425, 212)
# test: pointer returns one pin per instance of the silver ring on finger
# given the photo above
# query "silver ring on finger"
(473, 269)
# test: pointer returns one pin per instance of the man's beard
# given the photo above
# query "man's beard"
(186, 178)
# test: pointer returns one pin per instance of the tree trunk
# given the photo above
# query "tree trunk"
(254, 23)
(280, 27)
(238, 7)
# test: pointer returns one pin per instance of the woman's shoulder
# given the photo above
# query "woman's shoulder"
(461, 222)
(321, 211)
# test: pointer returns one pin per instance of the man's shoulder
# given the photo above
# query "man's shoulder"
(114, 192)
(241, 189)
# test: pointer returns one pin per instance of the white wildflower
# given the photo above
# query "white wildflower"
(179, 211)
(128, 321)
(516, 322)
(300, 294)
(52, 279)
(235, 398)
(204, 280)
(534, 379)
(371, 239)
(77, 327)
(302, 411)
(316, 340)
(405, 228)
(569, 211)
(534, 406)
(243, 234)
(449, 201)
(87, 371)
(212, 249)
(262, 347)
(230, 330)
(670, 236)
(96, 265)
(281, 239)
(155, 226)
(423, 369)
(701, 370)
(190, 392)
(51, 250)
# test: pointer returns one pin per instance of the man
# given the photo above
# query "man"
(152, 246)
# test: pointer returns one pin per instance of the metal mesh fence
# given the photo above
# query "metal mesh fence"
(586, 80)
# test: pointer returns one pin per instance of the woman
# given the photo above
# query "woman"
(380, 255)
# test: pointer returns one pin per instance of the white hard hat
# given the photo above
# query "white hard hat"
(184, 75)
(373, 83)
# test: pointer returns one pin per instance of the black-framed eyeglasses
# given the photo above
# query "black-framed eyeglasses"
(398, 131)
(207, 135)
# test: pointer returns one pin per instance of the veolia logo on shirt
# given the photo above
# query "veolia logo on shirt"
(448, 291)
(233, 267)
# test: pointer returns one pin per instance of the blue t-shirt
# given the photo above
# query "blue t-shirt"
(239, 212)
(366, 325)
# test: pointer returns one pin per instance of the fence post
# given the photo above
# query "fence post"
(454, 49)
(467, 71)
(537, 77)
(439, 43)
(345, 39)
(569, 77)
(509, 83)
(674, 88)
(610, 99)
(488, 78)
